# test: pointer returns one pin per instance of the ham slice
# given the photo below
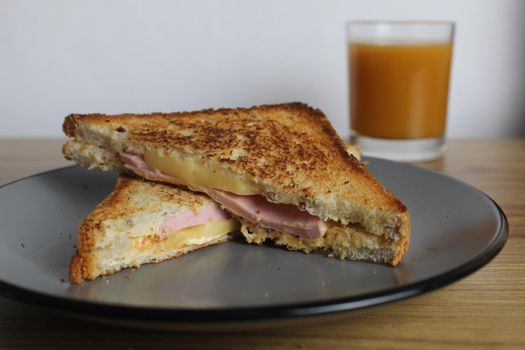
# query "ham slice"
(280, 217)
(189, 219)
(253, 208)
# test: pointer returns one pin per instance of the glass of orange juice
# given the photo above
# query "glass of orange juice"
(399, 78)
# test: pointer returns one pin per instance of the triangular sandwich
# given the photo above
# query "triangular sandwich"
(143, 222)
(281, 170)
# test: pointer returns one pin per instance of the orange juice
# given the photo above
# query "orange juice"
(399, 91)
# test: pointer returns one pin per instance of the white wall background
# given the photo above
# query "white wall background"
(58, 57)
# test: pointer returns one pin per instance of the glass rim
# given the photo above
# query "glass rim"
(401, 23)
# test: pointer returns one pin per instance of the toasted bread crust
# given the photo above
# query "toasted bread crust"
(69, 126)
(403, 241)
(290, 149)
(79, 269)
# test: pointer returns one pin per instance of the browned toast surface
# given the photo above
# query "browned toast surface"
(290, 144)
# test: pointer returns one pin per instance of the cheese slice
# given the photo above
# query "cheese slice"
(194, 235)
(195, 172)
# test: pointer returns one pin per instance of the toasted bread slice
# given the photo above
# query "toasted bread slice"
(125, 230)
(287, 153)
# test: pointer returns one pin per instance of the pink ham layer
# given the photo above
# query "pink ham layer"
(279, 217)
(188, 219)
(253, 208)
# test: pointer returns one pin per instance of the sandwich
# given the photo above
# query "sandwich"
(144, 222)
(280, 170)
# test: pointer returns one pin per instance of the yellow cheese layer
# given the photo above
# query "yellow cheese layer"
(194, 235)
(196, 172)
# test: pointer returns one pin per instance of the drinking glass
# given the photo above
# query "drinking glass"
(399, 81)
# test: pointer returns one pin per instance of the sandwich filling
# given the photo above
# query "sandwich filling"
(195, 171)
(244, 202)
(179, 238)
(189, 219)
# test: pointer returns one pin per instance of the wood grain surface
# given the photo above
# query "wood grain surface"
(485, 310)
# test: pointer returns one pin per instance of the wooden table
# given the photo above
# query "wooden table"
(486, 310)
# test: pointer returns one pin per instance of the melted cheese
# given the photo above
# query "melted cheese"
(194, 235)
(196, 172)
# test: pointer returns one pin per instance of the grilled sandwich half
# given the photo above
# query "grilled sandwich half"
(281, 170)
(145, 222)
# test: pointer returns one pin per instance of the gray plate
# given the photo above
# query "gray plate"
(456, 229)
